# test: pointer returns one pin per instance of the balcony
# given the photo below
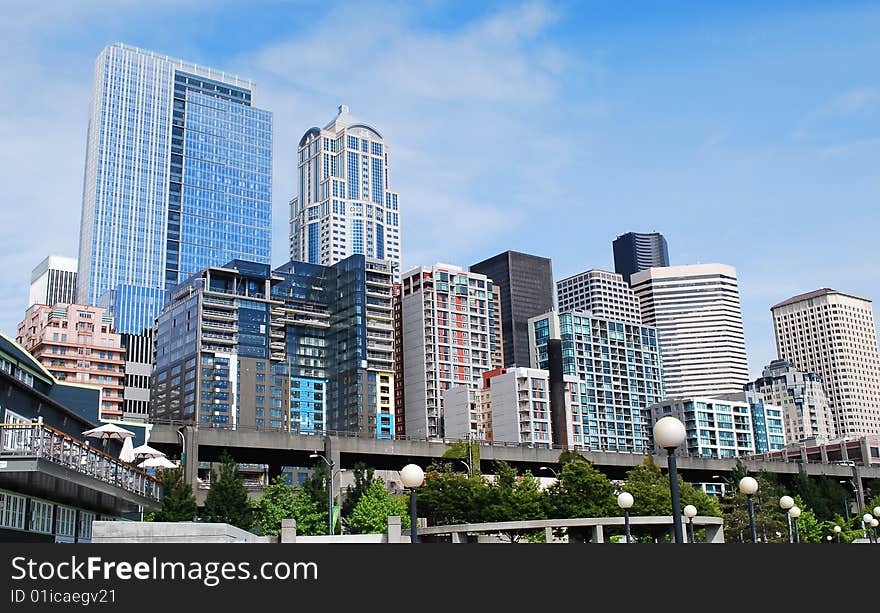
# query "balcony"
(60, 467)
(221, 303)
(219, 326)
(217, 315)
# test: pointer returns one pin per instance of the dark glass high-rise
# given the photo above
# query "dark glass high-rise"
(635, 251)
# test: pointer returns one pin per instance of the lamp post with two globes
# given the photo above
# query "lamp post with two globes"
(786, 503)
(669, 433)
(412, 477)
(748, 486)
(625, 502)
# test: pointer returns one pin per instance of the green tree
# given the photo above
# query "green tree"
(370, 516)
(770, 520)
(227, 501)
(580, 491)
(363, 478)
(649, 487)
(449, 497)
(511, 497)
(178, 502)
(810, 529)
(315, 490)
(276, 504)
(468, 453)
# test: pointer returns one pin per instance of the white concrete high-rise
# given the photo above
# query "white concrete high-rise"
(604, 294)
(344, 205)
(833, 334)
(697, 311)
(53, 281)
(446, 315)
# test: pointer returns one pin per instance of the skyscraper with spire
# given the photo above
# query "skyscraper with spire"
(344, 204)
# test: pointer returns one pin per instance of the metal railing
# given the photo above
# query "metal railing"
(42, 441)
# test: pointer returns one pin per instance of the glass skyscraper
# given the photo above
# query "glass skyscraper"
(635, 251)
(177, 178)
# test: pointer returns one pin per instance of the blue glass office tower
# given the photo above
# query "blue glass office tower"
(635, 251)
(177, 179)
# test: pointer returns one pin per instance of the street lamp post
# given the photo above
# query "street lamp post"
(786, 502)
(625, 502)
(412, 477)
(669, 433)
(748, 486)
(837, 530)
(690, 511)
(330, 465)
(866, 521)
(795, 512)
(555, 475)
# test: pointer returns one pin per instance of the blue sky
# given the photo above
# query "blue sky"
(745, 132)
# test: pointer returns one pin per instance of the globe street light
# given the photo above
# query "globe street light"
(795, 512)
(329, 464)
(690, 511)
(748, 486)
(412, 477)
(828, 538)
(866, 521)
(874, 523)
(837, 530)
(625, 502)
(669, 433)
(786, 502)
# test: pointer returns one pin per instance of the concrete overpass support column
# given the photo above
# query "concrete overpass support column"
(804, 457)
(866, 451)
(823, 453)
(191, 456)
(332, 453)
(714, 533)
(844, 455)
(598, 534)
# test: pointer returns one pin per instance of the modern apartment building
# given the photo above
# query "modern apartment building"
(138, 368)
(802, 398)
(604, 294)
(635, 251)
(617, 373)
(177, 179)
(53, 281)
(832, 333)
(514, 407)
(696, 309)
(725, 428)
(446, 332)
(526, 287)
(305, 348)
(53, 483)
(344, 204)
(496, 334)
(77, 343)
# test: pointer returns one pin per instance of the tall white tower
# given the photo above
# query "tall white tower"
(344, 206)
(697, 311)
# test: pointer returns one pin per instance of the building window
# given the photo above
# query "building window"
(12, 511)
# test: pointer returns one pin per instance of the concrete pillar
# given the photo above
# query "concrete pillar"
(823, 453)
(191, 459)
(456, 537)
(598, 534)
(288, 531)
(866, 451)
(804, 457)
(333, 455)
(714, 533)
(844, 454)
(548, 534)
(394, 528)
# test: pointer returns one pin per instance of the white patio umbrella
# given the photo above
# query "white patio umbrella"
(127, 453)
(157, 463)
(108, 431)
(145, 451)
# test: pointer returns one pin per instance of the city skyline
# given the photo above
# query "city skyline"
(750, 147)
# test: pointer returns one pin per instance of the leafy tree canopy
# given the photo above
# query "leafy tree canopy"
(227, 502)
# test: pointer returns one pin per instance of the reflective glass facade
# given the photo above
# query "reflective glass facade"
(177, 178)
